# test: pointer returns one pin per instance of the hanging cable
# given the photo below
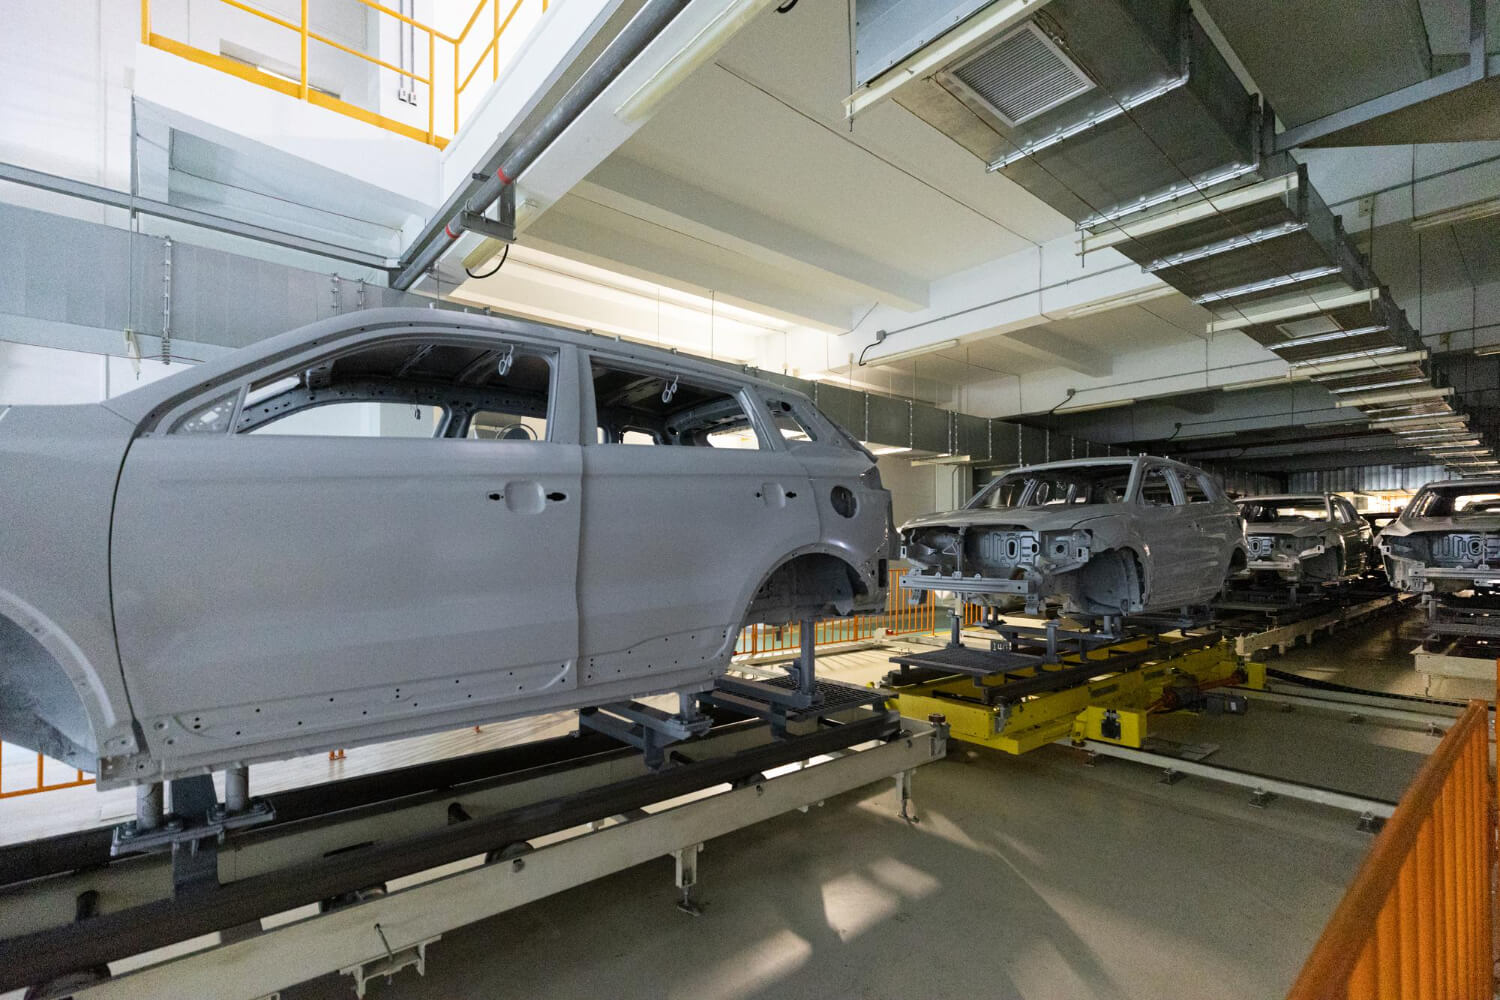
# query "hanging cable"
(494, 270)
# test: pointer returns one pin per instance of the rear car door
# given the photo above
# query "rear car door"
(1214, 527)
(343, 568)
(1356, 534)
(688, 502)
(1162, 522)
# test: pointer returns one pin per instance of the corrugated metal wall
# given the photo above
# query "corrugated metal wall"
(1369, 478)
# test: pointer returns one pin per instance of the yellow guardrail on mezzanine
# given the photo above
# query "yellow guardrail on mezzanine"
(301, 89)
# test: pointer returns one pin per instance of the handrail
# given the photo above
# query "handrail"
(41, 785)
(1416, 920)
(301, 87)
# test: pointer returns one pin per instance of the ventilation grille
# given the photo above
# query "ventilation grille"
(1021, 76)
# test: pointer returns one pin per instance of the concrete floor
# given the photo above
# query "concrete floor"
(1030, 877)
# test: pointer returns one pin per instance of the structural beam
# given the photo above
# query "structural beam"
(1067, 353)
(646, 193)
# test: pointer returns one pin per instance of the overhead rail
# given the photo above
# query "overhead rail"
(455, 77)
(1416, 922)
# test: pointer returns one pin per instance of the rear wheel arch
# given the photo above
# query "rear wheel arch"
(42, 702)
(795, 586)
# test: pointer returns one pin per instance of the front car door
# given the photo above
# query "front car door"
(690, 498)
(379, 542)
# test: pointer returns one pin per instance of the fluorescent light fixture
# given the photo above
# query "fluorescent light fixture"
(694, 53)
(1451, 418)
(1094, 406)
(1463, 213)
(884, 359)
(1116, 302)
(1413, 380)
(1298, 306)
(888, 450)
(1455, 452)
(1254, 287)
(1382, 357)
(1487, 350)
(1225, 246)
(1194, 187)
(1262, 383)
(944, 460)
(1374, 354)
(1319, 338)
(1398, 396)
(1115, 110)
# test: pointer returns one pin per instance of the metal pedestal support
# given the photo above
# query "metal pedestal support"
(650, 730)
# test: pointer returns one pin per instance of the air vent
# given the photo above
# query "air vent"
(1020, 76)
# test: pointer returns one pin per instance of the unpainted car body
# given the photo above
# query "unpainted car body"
(1306, 538)
(1103, 536)
(227, 565)
(1446, 540)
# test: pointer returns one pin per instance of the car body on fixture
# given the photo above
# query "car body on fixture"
(1446, 540)
(1103, 536)
(1306, 538)
(401, 521)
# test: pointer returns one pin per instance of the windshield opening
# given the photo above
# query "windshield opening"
(1454, 501)
(1089, 484)
(1284, 511)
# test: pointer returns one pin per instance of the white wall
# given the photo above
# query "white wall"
(913, 488)
(43, 375)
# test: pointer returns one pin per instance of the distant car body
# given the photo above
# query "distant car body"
(1306, 538)
(1447, 539)
(401, 521)
(1102, 536)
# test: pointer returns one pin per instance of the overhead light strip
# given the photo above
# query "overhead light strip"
(1113, 111)
(1255, 287)
(1373, 353)
(1323, 338)
(1225, 246)
(1185, 188)
(1381, 385)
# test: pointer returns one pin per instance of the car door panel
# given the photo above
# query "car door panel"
(259, 577)
(671, 537)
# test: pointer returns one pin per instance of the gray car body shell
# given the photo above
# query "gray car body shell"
(1406, 546)
(1120, 558)
(174, 604)
(1325, 551)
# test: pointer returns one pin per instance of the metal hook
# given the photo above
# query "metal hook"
(502, 367)
(670, 391)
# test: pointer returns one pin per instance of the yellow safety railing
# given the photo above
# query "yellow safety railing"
(301, 89)
(41, 784)
(1416, 921)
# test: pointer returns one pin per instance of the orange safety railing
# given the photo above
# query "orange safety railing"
(41, 784)
(907, 612)
(302, 89)
(1416, 921)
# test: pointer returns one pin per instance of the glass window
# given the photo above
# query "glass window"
(1156, 488)
(1075, 485)
(640, 408)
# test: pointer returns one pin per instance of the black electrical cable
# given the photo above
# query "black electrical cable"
(786, 7)
(494, 270)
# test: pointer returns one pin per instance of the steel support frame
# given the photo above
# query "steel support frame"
(347, 938)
